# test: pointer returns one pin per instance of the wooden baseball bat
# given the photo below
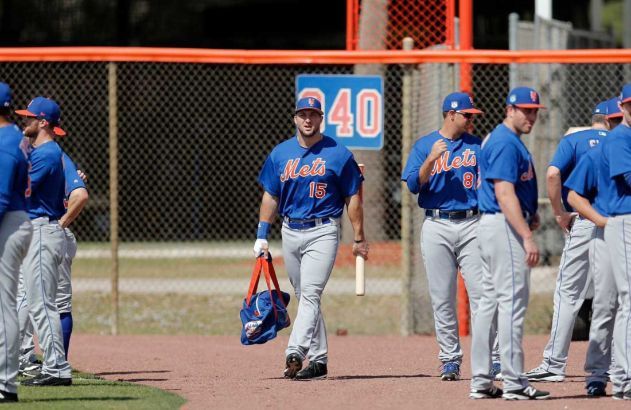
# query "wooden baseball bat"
(360, 282)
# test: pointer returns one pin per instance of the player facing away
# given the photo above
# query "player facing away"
(443, 170)
(589, 194)
(307, 180)
(16, 232)
(45, 206)
(616, 164)
(508, 202)
(574, 277)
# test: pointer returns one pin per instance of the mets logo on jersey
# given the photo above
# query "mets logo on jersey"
(528, 175)
(593, 143)
(443, 164)
(317, 167)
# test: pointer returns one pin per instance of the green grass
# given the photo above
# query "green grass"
(89, 391)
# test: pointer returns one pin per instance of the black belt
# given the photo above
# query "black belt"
(451, 215)
(306, 223)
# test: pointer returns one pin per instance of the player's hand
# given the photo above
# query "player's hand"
(83, 176)
(535, 223)
(565, 220)
(361, 249)
(532, 252)
(438, 148)
(261, 247)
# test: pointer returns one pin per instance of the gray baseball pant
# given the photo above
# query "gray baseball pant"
(41, 278)
(618, 241)
(309, 257)
(571, 287)
(445, 246)
(506, 282)
(604, 307)
(16, 232)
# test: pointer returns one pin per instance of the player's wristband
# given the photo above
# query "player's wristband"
(263, 230)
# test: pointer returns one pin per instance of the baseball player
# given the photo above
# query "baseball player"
(588, 195)
(614, 114)
(508, 202)
(45, 206)
(16, 232)
(573, 280)
(76, 198)
(616, 164)
(307, 180)
(443, 169)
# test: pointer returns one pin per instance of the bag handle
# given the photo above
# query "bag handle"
(254, 281)
(268, 270)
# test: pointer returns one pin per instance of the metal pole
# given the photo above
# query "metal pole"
(113, 147)
(466, 43)
(407, 314)
(513, 21)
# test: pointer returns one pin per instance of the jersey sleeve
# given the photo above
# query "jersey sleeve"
(73, 180)
(268, 177)
(563, 157)
(350, 178)
(39, 169)
(583, 179)
(620, 157)
(502, 160)
(412, 168)
(7, 174)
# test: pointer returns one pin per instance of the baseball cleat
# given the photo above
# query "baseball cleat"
(496, 371)
(596, 389)
(622, 396)
(527, 393)
(44, 379)
(539, 374)
(293, 364)
(314, 371)
(492, 392)
(451, 371)
(6, 397)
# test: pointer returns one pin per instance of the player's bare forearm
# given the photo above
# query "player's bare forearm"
(426, 171)
(269, 207)
(585, 209)
(553, 179)
(76, 202)
(356, 216)
(509, 204)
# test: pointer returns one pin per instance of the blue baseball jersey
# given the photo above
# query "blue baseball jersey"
(13, 170)
(616, 161)
(571, 149)
(588, 181)
(71, 176)
(505, 157)
(45, 197)
(311, 182)
(453, 180)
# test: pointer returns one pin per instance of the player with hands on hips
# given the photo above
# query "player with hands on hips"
(508, 202)
(307, 180)
(443, 169)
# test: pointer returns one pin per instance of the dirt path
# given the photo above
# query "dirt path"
(364, 372)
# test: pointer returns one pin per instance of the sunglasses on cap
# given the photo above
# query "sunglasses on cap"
(467, 115)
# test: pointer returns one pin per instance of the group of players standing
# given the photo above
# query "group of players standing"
(41, 194)
(480, 201)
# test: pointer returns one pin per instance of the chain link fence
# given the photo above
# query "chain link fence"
(191, 140)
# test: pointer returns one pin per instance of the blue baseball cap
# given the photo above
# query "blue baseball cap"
(44, 109)
(613, 110)
(524, 97)
(5, 95)
(625, 95)
(460, 102)
(309, 103)
(600, 108)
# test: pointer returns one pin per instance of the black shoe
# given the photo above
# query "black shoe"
(44, 379)
(6, 397)
(314, 371)
(527, 393)
(596, 389)
(293, 364)
(492, 392)
(622, 396)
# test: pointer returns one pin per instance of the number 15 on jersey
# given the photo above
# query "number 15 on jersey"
(352, 105)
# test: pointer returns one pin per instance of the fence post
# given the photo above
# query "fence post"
(113, 147)
(407, 314)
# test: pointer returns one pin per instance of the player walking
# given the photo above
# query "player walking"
(307, 180)
(443, 169)
(15, 236)
(573, 279)
(508, 201)
(45, 206)
(616, 163)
